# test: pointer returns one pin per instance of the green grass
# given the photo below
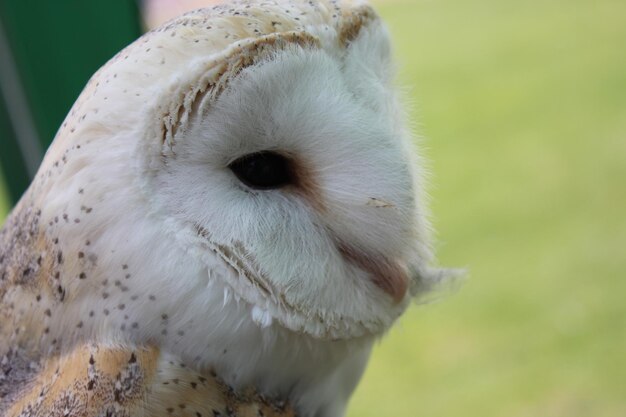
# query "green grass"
(523, 104)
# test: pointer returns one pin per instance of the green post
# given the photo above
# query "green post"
(51, 48)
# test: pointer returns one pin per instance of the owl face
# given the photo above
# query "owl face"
(275, 164)
(302, 185)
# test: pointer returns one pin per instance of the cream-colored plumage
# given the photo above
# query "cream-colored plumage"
(141, 277)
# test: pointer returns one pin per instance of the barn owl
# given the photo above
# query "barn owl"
(227, 220)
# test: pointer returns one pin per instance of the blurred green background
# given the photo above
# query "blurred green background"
(48, 51)
(523, 109)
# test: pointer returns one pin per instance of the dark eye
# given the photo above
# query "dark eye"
(263, 170)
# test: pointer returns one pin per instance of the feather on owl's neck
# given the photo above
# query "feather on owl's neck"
(125, 302)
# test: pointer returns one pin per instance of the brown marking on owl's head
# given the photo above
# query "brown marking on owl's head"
(304, 182)
(196, 95)
(354, 21)
(388, 275)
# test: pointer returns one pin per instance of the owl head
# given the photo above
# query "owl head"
(259, 146)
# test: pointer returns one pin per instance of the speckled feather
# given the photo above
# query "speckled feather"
(101, 380)
(89, 325)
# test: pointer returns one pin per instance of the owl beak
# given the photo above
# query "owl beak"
(389, 275)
